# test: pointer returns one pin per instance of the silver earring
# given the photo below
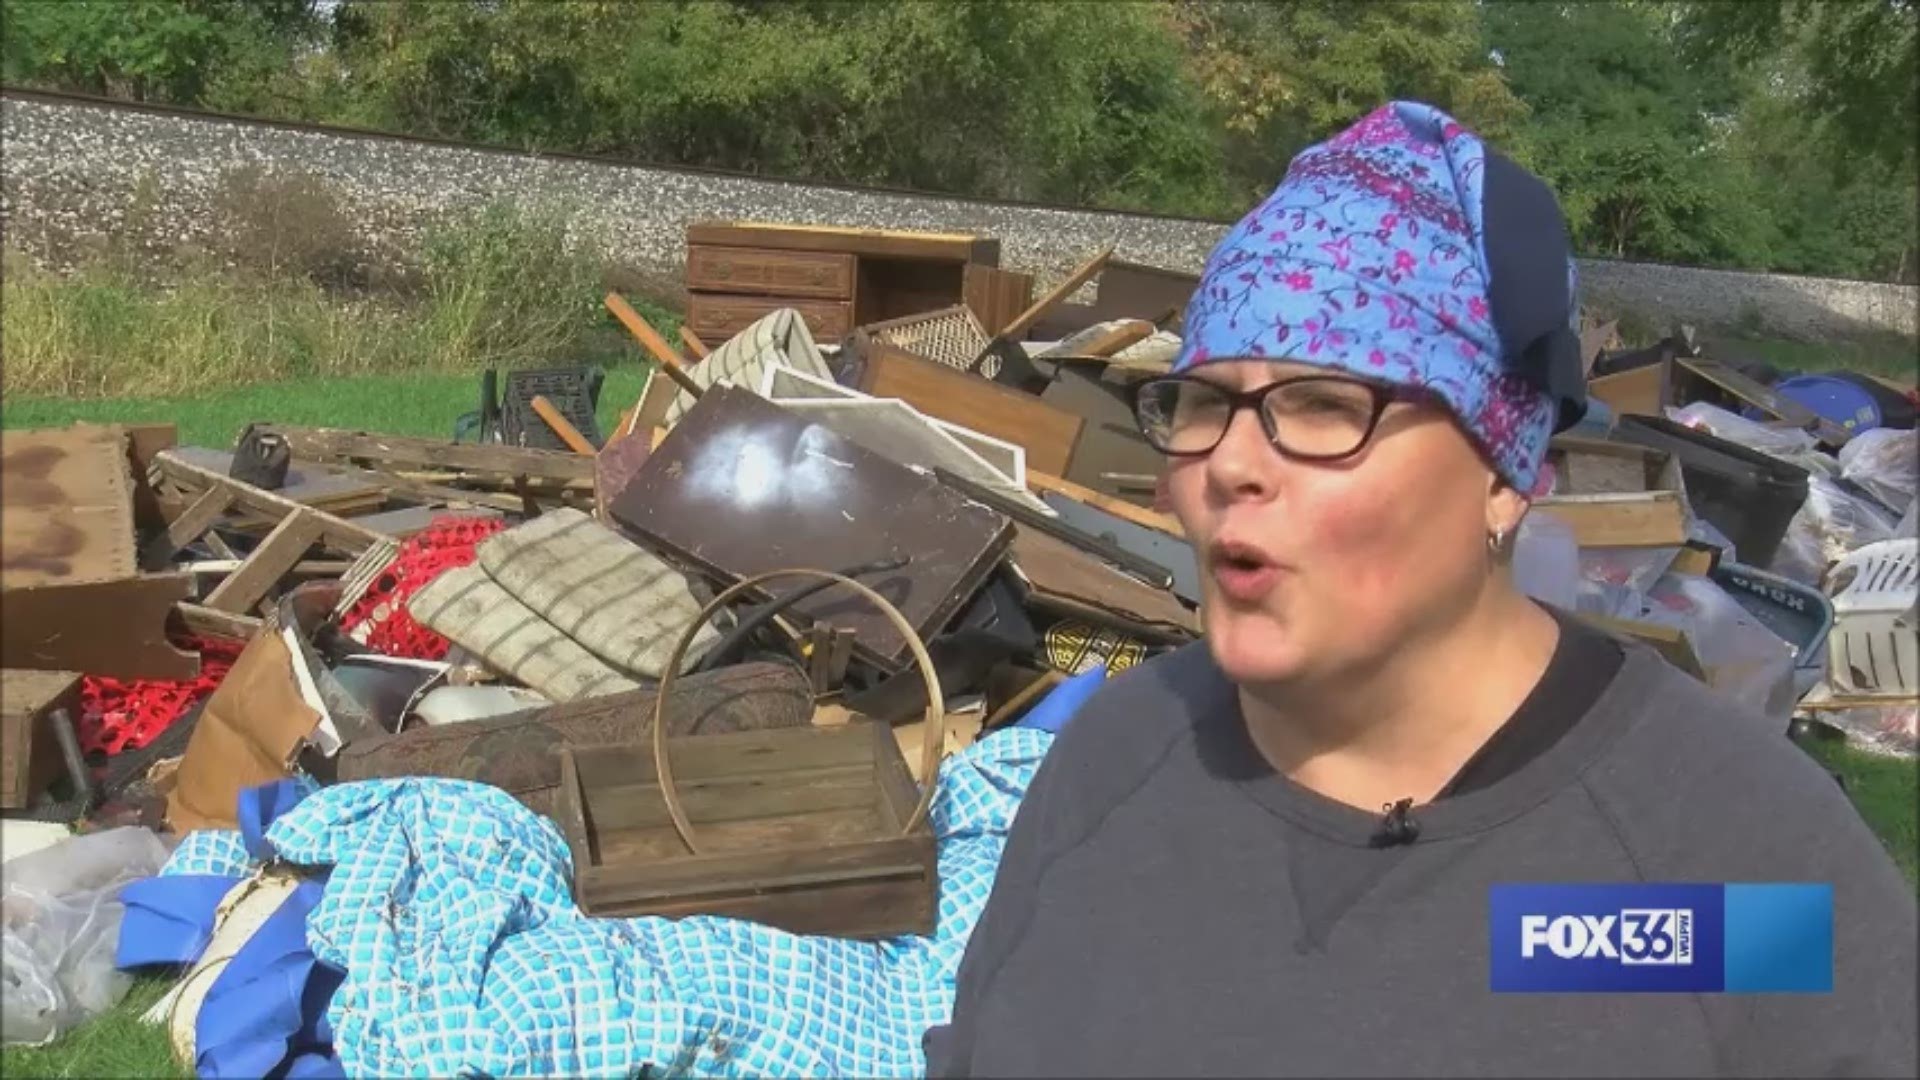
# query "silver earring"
(1496, 540)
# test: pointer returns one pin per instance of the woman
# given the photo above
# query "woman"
(1273, 852)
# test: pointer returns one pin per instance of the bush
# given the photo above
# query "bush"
(285, 224)
(505, 288)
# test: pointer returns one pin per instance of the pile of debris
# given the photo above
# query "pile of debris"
(724, 647)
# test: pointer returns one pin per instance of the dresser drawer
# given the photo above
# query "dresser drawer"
(826, 275)
(715, 317)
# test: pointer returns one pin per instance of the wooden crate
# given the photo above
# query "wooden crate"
(803, 829)
(815, 830)
(29, 755)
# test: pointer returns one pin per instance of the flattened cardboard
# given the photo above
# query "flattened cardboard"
(66, 506)
(1072, 582)
(250, 732)
(742, 486)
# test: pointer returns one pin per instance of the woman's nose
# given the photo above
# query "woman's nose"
(1243, 464)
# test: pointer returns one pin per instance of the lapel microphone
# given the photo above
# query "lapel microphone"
(1397, 825)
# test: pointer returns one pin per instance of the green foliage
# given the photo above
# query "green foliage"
(1768, 134)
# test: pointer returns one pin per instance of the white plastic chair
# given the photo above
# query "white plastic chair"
(1874, 647)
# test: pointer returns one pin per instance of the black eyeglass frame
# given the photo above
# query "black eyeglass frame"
(1382, 395)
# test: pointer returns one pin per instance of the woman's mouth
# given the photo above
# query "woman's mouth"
(1244, 573)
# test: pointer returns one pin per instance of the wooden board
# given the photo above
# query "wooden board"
(824, 275)
(1069, 581)
(336, 532)
(1130, 290)
(1139, 515)
(29, 754)
(1643, 519)
(1110, 441)
(1644, 391)
(881, 243)
(1584, 466)
(1047, 434)
(406, 521)
(268, 563)
(112, 628)
(799, 828)
(66, 509)
(1763, 397)
(399, 452)
(742, 486)
(322, 489)
(995, 295)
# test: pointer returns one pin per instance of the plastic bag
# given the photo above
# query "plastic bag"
(1735, 428)
(1634, 569)
(59, 926)
(1743, 659)
(1829, 525)
(1546, 560)
(1884, 461)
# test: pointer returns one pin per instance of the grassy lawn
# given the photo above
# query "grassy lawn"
(1884, 789)
(425, 405)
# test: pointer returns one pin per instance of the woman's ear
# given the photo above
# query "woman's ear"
(1505, 507)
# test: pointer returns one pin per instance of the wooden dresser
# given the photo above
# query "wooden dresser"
(836, 278)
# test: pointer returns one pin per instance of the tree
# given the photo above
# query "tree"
(147, 50)
(1632, 141)
(1282, 76)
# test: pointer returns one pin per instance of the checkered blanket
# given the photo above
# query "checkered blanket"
(449, 908)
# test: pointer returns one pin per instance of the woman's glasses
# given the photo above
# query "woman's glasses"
(1310, 417)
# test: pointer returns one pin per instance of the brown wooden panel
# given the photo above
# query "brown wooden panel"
(826, 275)
(58, 627)
(719, 316)
(742, 486)
(29, 756)
(1137, 291)
(1643, 391)
(1047, 433)
(66, 506)
(879, 243)
(895, 288)
(995, 295)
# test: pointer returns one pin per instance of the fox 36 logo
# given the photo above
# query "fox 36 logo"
(1631, 936)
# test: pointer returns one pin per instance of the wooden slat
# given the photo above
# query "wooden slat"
(1048, 434)
(29, 753)
(1643, 391)
(206, 622)
(269, 562)
(1139, 515)
(335, 531)
(1643, 519)
(397, 452)
(200, 516)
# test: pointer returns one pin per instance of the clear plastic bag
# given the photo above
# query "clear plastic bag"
(1829, 525)
(1546, 560)
(1735, 428)
(59, 926)
(1884, 461)
(1743, 659)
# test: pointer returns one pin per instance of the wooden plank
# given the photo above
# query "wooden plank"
(112, 628)
(198, 517)
(695, 347)
(1139, 515)
(323, 489)
(881, 243)
(203, 621)
(397, 452)
(66, 506)
(406, 521)
(995, 295)
(440, 493)
(1047, 434)
(561, 426)
(1643, 391)
(1638, 519)
(29, 755)
(1765, 398)
(335, 532)
(269, 562)
(1080, 276)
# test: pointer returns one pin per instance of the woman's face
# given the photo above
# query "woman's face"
(1314, 568)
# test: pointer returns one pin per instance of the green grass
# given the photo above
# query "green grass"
(115, 1044)
(1887, 792)
(425, 405)
(1889, 356)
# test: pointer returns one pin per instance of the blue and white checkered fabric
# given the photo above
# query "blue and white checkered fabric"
(450, 910)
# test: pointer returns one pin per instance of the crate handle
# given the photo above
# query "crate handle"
(936, 733)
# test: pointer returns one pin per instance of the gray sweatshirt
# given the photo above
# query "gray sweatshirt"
(1169, 906)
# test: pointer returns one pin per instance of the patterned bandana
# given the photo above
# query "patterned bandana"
(1404, 250)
